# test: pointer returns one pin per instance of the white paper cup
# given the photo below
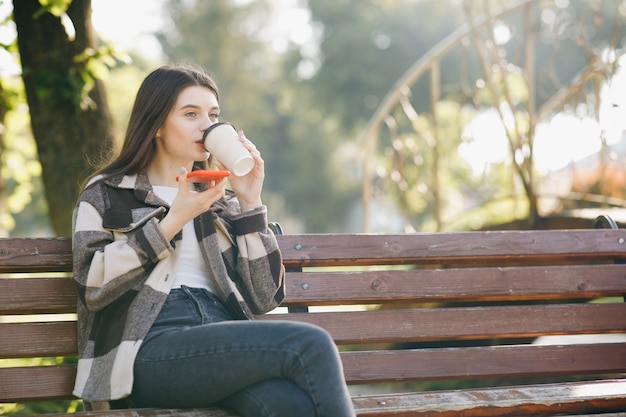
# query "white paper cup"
(222, 141)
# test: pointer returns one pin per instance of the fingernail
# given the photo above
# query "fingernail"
(182, 170)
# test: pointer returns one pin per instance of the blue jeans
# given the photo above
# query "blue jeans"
(197, 356)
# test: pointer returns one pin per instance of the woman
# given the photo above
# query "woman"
(170, 274)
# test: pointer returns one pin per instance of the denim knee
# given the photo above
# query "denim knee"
(318, 338)
(312, 333)
(272, 398)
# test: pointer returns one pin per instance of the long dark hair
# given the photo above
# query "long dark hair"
(154, 101)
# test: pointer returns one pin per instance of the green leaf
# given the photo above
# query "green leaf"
(55, 7)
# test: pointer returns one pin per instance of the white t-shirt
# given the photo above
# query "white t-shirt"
(192, 270)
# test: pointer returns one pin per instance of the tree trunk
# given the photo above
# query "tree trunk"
(70, 128)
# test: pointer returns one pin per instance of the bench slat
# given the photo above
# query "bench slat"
(471, 247)
(518, 400)
(575, 397)
(483, 362)
(470, 284)
(37, 383)
(54, 254)
(48, 382)
(37, 295)
(35, 254)
(38, 339)
(58, 295)
(465, 323)
(392, 326)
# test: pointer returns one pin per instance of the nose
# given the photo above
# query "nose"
(206, 126)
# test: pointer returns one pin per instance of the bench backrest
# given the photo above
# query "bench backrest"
(484, 307)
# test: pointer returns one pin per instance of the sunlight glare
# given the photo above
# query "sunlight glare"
(485, 142)
(563, 139)
(291, 25)
(129, 24)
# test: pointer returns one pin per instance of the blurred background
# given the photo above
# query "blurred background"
(371, 115)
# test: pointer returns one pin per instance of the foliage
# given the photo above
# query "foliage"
(367, 45)
(510, 83)
(292, 136)
(122, 83)
(40, 407)
(60, 86)
(305, 104)
(24, 205)
(55, 7)
(21, 173)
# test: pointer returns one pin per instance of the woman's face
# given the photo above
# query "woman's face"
(180, 137)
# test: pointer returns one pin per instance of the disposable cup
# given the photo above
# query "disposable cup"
(222, 141)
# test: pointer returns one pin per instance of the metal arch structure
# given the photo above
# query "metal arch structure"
(413, 74)
(397, 95)
(410, 77)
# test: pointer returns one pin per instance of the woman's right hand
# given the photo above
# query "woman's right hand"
(189, 204)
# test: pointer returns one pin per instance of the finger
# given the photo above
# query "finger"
(247, 142)
(256, 155)
(214, 183)
(182, 180)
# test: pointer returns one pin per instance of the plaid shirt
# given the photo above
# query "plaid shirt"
(124, 269)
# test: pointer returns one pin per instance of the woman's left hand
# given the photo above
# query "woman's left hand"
(248, 187)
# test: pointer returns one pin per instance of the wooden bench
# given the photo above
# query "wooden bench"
(442, 324)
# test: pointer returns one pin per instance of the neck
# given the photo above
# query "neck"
(165, 173)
